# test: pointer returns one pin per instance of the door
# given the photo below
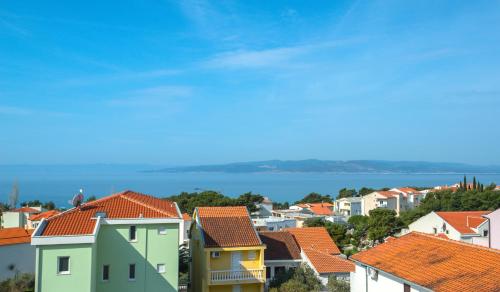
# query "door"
(236, 260)
(236, 288)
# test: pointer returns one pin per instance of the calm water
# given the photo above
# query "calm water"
(60, 183)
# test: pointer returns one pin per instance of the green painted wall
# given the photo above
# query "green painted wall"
(150, 249)
(81, 268)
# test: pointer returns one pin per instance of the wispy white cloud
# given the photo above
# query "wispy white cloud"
(270, 57)
(121, 76)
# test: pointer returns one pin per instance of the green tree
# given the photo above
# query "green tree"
(382, 223)
(347, 193)
(249, 200)
(315, 198)
(365, 191)
(315, 222)
(90, 199)
(19, 283)
(335, 285)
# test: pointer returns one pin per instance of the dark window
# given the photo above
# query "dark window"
(63, 265)
(435, 230)
(132, 234)
(268, 272)
(407, 288)
(105, 272)
(131, 272)
(485, 233)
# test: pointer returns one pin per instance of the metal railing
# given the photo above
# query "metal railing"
(257, 275)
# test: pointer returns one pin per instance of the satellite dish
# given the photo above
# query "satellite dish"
(77, 199)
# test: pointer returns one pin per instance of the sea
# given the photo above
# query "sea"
(60, 183)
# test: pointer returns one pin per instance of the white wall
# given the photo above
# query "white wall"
(21, 255)
(426, 224)
(361, 282)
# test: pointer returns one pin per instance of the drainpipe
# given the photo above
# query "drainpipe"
(366, 278)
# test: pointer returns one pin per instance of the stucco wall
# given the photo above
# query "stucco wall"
(495, 229)
(21, 256)
(81, 268)
(12, 219)
(360, 282)
(150, 249)
(426, 224)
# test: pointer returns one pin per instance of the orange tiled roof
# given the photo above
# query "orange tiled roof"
(124, 205)
(321, 208)
(280, 246)
(438, 264)
(463, 221)
(44, 215)
(327, 263)
(9, 236)
(408, 190)
(186, 217)
(387, 194)
(227, 227)
(315, 238)
(25, 210)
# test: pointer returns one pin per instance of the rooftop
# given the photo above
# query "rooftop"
(464, 221)
(436, 263)
(9, 236)
(124, 205)
(280, 246)
(227, 227)
(316, 238)
(25, 210)
(44, 215)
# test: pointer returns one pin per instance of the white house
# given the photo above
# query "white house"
(348, 206)
(492, 225)
(461, 225)
(18, 217)
(421, 262)
(273, 223)
(17, 255)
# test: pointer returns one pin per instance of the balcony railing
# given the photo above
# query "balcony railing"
(250, 275)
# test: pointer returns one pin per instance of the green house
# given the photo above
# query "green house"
(123, 242)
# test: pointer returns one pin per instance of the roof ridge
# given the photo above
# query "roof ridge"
(124, 196)
(454, 241)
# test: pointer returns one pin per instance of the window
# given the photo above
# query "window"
(215, 254)
(162, 230)
(252, 255)
(485, 233)
(132, 233)
(435, 230)
(407, 288)
(131, 272)
(105, 272)
(63, 265)
(160, 268)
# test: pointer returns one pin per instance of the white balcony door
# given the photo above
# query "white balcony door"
(236, 260)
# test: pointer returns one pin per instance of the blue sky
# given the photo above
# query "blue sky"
(197, 82)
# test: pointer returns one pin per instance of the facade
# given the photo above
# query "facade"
(348, 206)
(123, 242)
(273, 223)
(319, 251)
(265, 208)
(421, 262)
(227, 254)
(184, 239)
(16, 253)
(18, 218)
(282, 253)
(318, 209)
(296, 215)
(397, 199)
(493, 225)
(465, 226)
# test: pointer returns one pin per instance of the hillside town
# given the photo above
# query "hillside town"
(130, 241)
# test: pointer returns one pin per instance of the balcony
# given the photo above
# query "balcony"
(237, 276)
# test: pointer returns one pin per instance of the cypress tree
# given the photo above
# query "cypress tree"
(474, 183)
(465, 182)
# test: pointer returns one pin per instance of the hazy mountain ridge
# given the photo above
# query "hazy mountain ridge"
(338, 166)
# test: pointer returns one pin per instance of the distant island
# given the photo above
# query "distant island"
(337, 166)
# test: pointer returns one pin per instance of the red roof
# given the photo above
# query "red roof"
(124, 205)
(315, 238)
(227, 227)
(280, 245)
(186, 217)
(464, 221)
(321, 250)
(25, 210)
(44, 215)
(387, 194)
(9, 236)
(321, 208)
(408, 190)
(435, 263)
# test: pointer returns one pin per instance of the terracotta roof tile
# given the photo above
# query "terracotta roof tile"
(436, 263)
(9, 236)
(327, 263)
(280, 246)
(387, 194)
(315, 238)
(321, 208)
(463, 221)
(127, 204)
(186, 217)
(25, 210)
(44, 215)
(227, 227)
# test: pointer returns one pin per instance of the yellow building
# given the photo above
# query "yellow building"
(227, 254)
